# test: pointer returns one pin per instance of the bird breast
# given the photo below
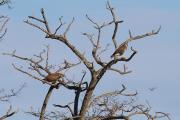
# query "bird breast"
(53, 77)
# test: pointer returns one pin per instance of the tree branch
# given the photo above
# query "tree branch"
(5, 20)
(112, 62)
(77, 94)
(65, 106)
(61, 38)
(116, 23)
(131, 38)
(9, 113)
(6, 96)
(43, 109)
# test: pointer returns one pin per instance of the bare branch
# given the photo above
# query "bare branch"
(4, 23)
(61, 24)
(67, 65)
(47, 57)
(77, 94)
(37, 67)
(90, 38)
(103, 50)
(5, 2)
(116, 23)
(9, 113)
(131, 38)
(119, 71)
(52, 115)
(30, 60)
(162, 115)
(79, 55)
(27, 73)
(116, 117)
(63, 39)
(112, 62)
(36, 26)
(111, 94)
(6, 97)
(68, 28)
(43, 108)
(65, 106)
(32, 17)
(5, 20)
(96, 45)
(45, 21)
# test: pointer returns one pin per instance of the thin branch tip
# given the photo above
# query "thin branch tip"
(42, 10)
(159, 29)
(133, 49)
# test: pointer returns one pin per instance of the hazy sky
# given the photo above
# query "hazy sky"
(155, 65)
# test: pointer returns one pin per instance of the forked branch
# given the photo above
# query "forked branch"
(116, 23)
(60, 37)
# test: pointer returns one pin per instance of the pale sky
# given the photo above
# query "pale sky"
(155, 65)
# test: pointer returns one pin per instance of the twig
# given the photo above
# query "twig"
(61, 24)
(65, 106)
(69, 26)
(40, 28)
(45, 21)
(131, 38)
(6, 97)
(8, 113)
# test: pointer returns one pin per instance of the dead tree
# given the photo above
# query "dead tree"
(103, 107)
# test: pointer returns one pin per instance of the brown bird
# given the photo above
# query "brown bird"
(53, 77)
(121, 49)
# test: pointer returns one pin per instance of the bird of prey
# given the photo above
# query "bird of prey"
(121, 49)
(53, 77)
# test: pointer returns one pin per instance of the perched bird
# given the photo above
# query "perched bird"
(121, 49)
(53, 77)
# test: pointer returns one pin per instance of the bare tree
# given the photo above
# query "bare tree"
(119, 104)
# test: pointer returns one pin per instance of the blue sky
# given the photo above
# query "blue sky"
(155, 65)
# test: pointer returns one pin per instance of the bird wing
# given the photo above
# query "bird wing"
(117, 50)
